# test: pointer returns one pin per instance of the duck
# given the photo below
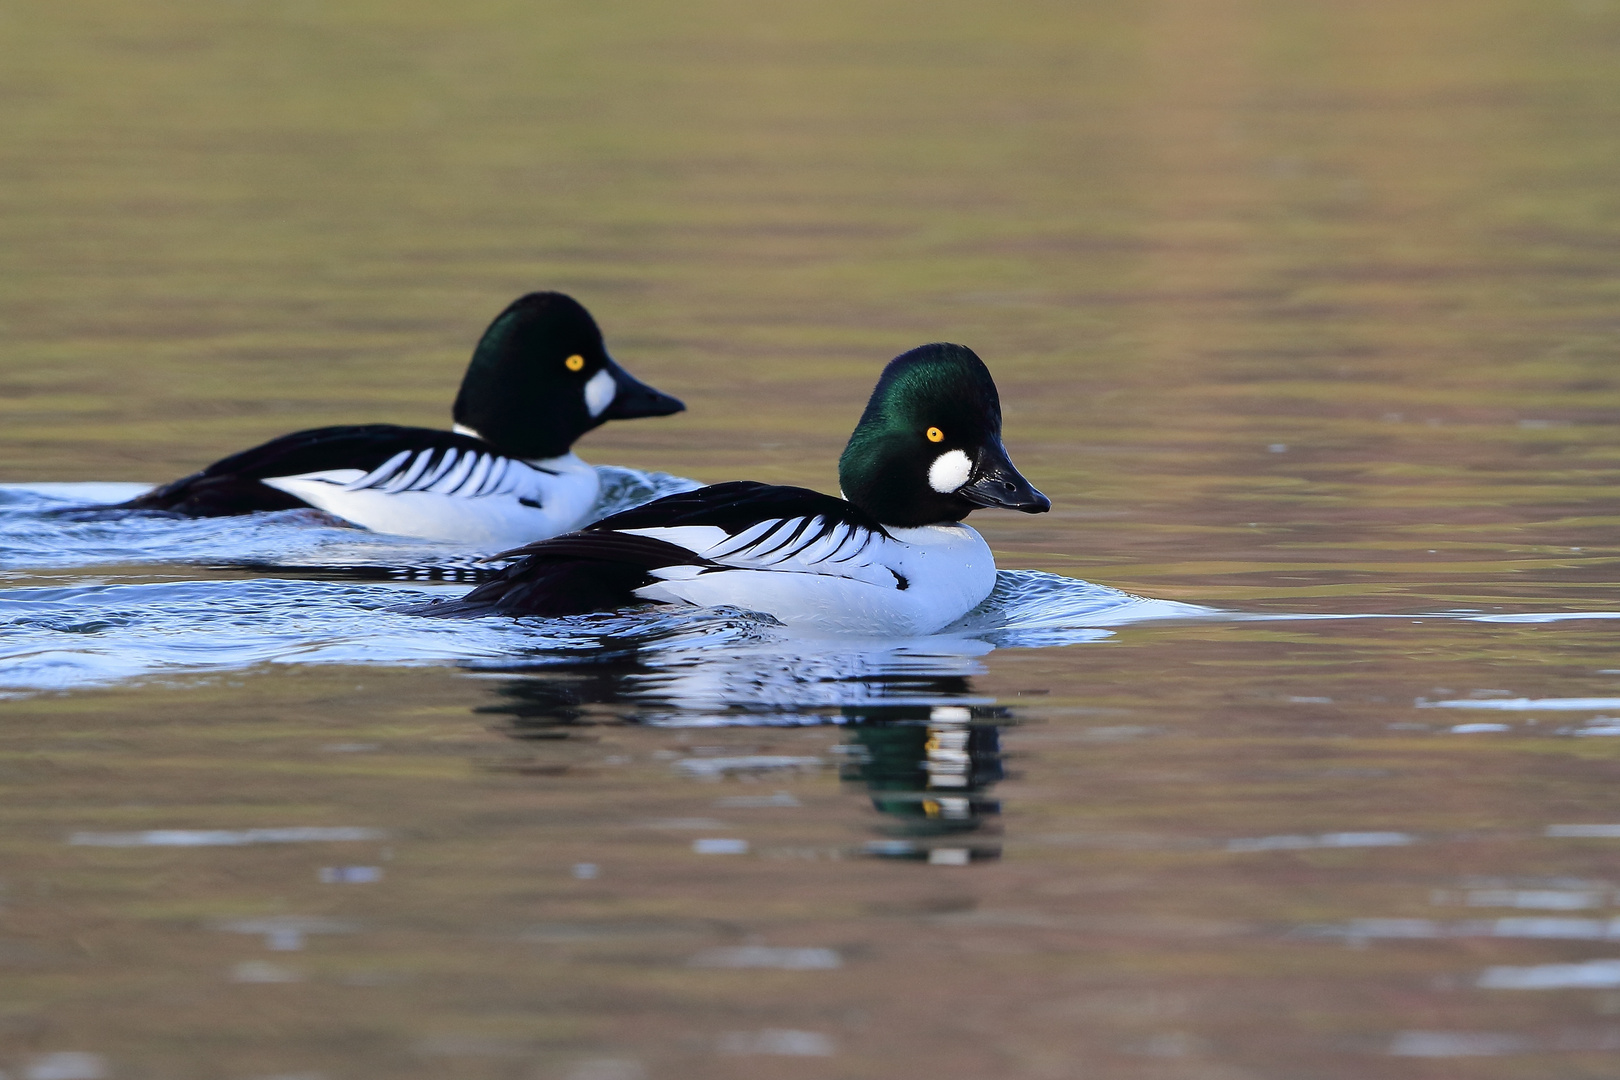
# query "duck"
(890, 556)
(539, 378)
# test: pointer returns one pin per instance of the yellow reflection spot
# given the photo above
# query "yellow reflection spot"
(574, 363)
(931, 808)
(935, 435)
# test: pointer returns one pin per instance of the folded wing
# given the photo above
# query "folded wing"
(727, 527)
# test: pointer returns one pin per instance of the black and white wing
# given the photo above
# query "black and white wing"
(735, 526)
(439, 485)
(382, 457)
(751, 526)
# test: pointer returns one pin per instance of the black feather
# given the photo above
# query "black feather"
(739, 505)
(599, 567)
(232, 485)
(570, 575)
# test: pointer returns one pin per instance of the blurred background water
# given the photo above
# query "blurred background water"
(1285, 748)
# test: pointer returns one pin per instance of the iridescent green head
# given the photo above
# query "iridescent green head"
(928, 447)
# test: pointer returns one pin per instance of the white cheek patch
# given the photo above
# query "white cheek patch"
(599, 392)
(949, 471)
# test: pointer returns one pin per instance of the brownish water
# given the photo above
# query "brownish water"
(1295, 309)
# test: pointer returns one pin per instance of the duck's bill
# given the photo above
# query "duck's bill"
(999, 484)
(633, 398)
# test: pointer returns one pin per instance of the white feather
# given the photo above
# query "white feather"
(949, 471)
(948, 570)
(438, 470)
(475, 483)
(600, 391)
(407, 477)
(385, 469)
(565, 488)
(450, 481)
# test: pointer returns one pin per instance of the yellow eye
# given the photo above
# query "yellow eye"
(574, 363)
(935, 435)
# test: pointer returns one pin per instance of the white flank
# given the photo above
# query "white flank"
(847, 582)
(949, 471)
(468, 498)
(599, 392)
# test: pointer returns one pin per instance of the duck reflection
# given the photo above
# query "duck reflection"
(917, 737)
(930, 770)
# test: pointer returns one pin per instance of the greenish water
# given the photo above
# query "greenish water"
(1295, 309)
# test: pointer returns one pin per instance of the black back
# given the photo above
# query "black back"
(599, 567)
(231, 485)
(739, 505)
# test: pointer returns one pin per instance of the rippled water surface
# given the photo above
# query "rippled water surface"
(1287, 746)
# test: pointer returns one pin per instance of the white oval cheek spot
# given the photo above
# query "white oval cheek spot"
(599, 392)
(949, 471)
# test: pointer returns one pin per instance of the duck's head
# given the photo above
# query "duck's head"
(541, 377)
(928, 447)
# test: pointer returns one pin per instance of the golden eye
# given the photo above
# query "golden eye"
(935, 435)
(574, 363)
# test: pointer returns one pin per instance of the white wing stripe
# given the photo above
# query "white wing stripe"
(810, 541)
(826, 544)
(403, 481)
(743, 540)
(783, 536)
(475, 480)
(433, 475)
(866, 538)
(376, 475)
(451, 480)
(794, 546)
(492, 483)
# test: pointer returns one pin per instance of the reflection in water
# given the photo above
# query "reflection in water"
(918, 738)
(733, 671)
(930, 769)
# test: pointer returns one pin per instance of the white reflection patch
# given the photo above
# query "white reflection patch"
(1572, 704)
(1591, 975)
(779, 1041)
(1456, 1044)
(1326, 840)
(223, 837)
(715, 768)
(765, 956)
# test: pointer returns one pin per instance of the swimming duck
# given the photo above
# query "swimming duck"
(892, 557)
(539, 379)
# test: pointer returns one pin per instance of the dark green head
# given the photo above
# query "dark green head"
(541, 377)
(928, 447)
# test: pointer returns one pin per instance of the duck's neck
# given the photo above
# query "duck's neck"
(561, 463)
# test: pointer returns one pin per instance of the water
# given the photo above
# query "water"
(1286, 747)
(136, 607)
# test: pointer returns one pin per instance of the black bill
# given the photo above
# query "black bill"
(996, 483)
(633, 398)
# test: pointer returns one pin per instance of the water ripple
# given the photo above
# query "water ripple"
(100, 598)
